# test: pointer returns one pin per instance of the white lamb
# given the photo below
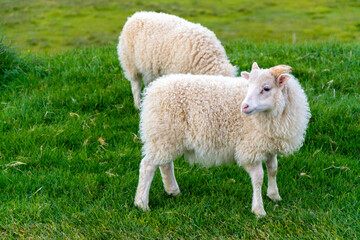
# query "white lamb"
(214, 120)
(154, 44)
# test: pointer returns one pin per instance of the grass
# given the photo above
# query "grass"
(52, 26)
(70, 153)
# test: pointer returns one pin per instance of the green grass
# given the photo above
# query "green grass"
(52, 26)
(70, 154)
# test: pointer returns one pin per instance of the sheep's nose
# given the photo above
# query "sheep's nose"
(244, 106)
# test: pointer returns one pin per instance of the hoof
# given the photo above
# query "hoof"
(274, 196)
(141, 205)
(174, 193)
(259, 212)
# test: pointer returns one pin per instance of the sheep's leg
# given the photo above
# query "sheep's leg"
(147, 170)
(272, 191)
(168, 177)
(132, 74)
(136, 91)
(256, 173)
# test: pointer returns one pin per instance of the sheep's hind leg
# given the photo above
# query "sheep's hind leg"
(136, 91)
(256, 173)
(147, 170)
(134, 76)
(168, 177)
(272, 191)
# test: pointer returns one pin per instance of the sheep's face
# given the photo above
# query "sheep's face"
(264, 89)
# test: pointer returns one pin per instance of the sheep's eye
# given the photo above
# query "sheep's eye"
(267, 88)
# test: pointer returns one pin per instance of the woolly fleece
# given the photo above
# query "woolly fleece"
(200, 116)
(154, 44)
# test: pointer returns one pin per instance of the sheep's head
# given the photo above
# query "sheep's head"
(265, 88)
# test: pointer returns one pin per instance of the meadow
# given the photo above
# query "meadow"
(70, 153)
(70, 148)
(52, 26)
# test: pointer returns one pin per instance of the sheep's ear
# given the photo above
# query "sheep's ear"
(255, 66)
(245, 75)
(282, 79)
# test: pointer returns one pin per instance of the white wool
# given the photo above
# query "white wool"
(200, 117)
(154, 44)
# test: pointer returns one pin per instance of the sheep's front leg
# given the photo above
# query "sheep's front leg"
(168, 177)
(147, 170)
(256, 173)
(136, 91)
(272, 191)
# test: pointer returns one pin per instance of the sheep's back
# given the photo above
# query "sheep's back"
(165, 44)
(193, 111)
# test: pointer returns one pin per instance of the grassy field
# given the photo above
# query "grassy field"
(69, 143)
(69, 154)
(52, 26)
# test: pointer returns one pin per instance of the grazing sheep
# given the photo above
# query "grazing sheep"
(214, 120)
(154, 44)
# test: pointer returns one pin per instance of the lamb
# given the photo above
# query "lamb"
(213, 120)
(154, 44)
